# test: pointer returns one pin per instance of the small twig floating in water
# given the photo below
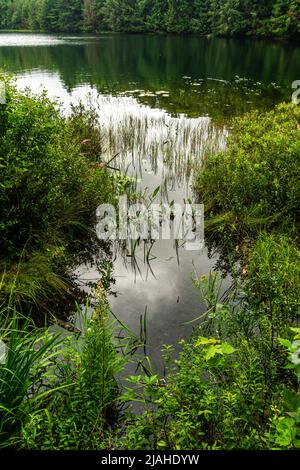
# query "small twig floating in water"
(107, 164)
(113, 158)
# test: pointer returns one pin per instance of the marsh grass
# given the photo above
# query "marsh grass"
(28, 352)
(153, 155)
(151, 137)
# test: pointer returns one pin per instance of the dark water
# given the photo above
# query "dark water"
(149, 60)
(116, 63)
(163, 102)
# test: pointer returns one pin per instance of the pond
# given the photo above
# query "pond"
(163, 103)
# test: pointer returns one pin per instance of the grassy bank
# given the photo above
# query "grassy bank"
(50, 189)
(255, 184)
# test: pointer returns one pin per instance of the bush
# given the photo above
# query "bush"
(285, 432)
(215, 398)
(48, 186)
(256, 182)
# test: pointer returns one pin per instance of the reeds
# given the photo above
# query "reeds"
(27, 353)
(152, 140)
(156, 154)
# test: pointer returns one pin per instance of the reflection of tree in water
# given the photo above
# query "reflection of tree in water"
(87, 251)
(121, 63)
(227, 260)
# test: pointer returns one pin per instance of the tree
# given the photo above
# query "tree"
(217, 17)
(122, 16)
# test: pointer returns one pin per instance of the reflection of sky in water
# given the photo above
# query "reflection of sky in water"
(22, 40)
(40, 39)
(38, 81)
(161, 150)
(170, 297)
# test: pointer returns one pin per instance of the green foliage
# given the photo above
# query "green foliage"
(47, 183)
(274, 279)
(255, 185)
(256, 182)
(49, 191)
(218, 17)
(83, 410)
(214, 398)
(27, 354)
(229, 388)
(286, 425)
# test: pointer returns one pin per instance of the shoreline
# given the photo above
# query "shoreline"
(249, 36)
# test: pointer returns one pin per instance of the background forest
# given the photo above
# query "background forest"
(216, 17)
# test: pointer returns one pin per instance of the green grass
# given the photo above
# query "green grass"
(50, 189)
(27, 353)
(84, 413)
(255, 184)
(59, 391)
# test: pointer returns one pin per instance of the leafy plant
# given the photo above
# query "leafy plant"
(286, 434)
(26, 355)
(254, 185)
(84, 413)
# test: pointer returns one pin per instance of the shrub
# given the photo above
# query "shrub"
(285, 433)
(256, 182)
(48, 187)
(215, 398)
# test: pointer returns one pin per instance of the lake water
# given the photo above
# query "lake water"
(163, 102)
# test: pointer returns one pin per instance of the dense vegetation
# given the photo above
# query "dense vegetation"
(58, 391)
(217, 17)
(50, 188)
(256, 183)
(236, 384)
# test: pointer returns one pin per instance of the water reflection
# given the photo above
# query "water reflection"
(147, 60)
(152, 144)
(118, 63)
(160, 150)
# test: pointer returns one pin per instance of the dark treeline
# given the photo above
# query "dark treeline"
(217, 17)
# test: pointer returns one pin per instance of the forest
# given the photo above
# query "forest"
(266, 18)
